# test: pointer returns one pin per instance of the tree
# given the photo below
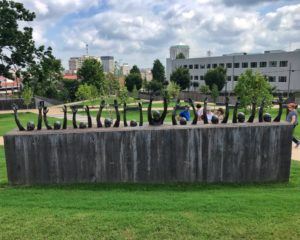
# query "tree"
(214, 93)
(135, 69)
(158, 71)
(180, 56)
(181, 76)
(253, 86)
(204, 89)
(123, 94)
(155, 86)
(173, 90)
(112, 83)
(27, 95)
(215, 76)
(91, 73)
(68, 90)
(133, 80)
(135, 93)
(84, 92)
(16, 43)
(44, 75)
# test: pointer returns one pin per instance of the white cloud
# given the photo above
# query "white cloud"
(140, 31)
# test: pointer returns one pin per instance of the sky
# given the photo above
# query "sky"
(140, 31)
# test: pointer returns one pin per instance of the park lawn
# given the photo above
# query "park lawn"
(140, 211)
(7, 121)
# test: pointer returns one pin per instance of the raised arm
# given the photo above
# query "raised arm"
(141, 114)
(150, 120)
(124, 115)
(194, 111)
(164, 114)
(261, 111)
(234, 118)
(225, 119)
(15, 108)
(278, 117)
(117, 122)
(87, 110)
(40, 117)
(65, 123)
(253, 111)
(205, 120)
(98, 118)
(74, 111)
(45, 111)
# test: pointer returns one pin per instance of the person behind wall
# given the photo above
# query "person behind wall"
(185, 114)
(292, 117)
(220, 113)
(199, 111)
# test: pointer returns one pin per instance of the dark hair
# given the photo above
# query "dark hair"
(198, 105)
(221, 110)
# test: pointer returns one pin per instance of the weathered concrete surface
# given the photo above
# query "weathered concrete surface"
(259, 152)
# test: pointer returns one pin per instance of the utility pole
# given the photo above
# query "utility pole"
(87, 49)
(289, 80)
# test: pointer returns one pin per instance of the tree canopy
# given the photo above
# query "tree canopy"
(180, 56)
(215, 76)
(135, 69)
(253, 86)
(158, 71)
(17, 47)
(133, 80)
(92, 74)
(181, 77)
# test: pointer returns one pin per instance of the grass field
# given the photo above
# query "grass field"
(139, 211)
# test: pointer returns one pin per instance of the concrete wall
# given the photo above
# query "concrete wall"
(239, 153)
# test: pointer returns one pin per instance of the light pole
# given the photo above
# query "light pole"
(289, 80)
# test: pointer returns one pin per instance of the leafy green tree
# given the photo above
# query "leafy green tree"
(173, 90)
(133, 80)
(215, 93)
(180, 56)
(135, 69)
(68, 90)
(154, 86)
(181, 76)
(215, 76)
(16, 43)
(112, 83)
(158, 71)
(135, 93)
(44, 75)
(204, 89)
(85, 92)
(253, 86)
(91, 73)
(27, 95)
(123, 94)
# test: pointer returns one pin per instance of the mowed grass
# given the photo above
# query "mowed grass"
(137, 211)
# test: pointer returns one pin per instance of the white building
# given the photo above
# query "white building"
(175, 50)
(146, 73)
(281, 68)
(125, 69)
(75, 63)
(108, 64)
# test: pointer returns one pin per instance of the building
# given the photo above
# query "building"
(281, 68)
(125, 69)
(75, 63)
(108, 64)
(8, 85)
(146, 73)
(177, 49)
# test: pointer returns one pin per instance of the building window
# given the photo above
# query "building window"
(221, 65)
(283, 63)
(185, 66)
(208, 66)
(228, 65)
(201, 77)
(191, 77)
(228, 78)
(196, 66)
(244, 65)
(263, 64)
(272, 64)
(215, 65)
(196, 77)
(191, 66)
(235, 78)
(236, 65)
(282, 79)
(253, 65)
(272, 79)
(202, 66)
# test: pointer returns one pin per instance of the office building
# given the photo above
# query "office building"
(108, 64)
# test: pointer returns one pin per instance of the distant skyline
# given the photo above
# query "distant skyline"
(139, 31)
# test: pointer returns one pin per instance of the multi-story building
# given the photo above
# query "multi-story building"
(281, 68)
(177, 49)
(125, 69)
(75, 63)
(108, 64)
(146, 74)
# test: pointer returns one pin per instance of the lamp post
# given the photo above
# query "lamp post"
(289, 80)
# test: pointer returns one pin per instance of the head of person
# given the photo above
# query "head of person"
(220, 112)
(156, 115)
(214, 119)
(292, 106)
(267, 117)
(241, 117)
(198, 106)
(182, 121)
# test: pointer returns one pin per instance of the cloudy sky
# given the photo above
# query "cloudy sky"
(139, 31)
